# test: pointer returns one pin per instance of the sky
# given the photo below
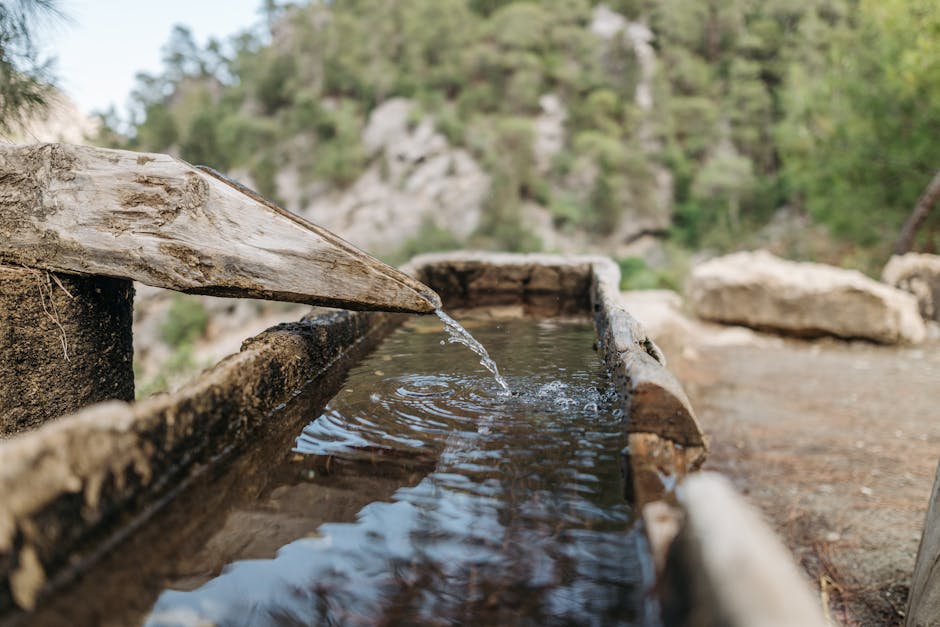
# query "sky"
(107, 42)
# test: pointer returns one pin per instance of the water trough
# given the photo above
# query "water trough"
(78, 487)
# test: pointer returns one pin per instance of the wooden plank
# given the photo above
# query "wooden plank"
(655, 400)
(923, 603)
(160, 221)
(726, 566)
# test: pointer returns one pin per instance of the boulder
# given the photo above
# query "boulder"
(918, 274)
(760, 290)
(415, 179)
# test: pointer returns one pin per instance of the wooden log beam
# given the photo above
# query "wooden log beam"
(923, 603)
(657, 404)
(65, 342)
(727, 567)
(160, 221)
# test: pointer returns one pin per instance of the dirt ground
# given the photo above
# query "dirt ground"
(836, 442)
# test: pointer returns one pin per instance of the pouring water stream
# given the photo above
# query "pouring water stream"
(456, 333)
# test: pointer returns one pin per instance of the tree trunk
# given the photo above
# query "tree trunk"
(927, 200)
(65, 342)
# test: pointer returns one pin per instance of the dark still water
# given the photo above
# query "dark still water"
(519, 520)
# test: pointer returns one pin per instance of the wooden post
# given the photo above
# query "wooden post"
(727, 567)
(923, 602)
(65, 342)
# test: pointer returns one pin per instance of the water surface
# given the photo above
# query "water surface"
(516, 518)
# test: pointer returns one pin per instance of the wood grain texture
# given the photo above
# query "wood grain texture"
(923, 604)
(160, 221)
(727, 567)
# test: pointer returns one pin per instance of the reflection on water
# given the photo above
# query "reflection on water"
(521, 521)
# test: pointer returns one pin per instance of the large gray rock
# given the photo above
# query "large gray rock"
(918, 274)
(416, 177)
(760, 290)
(607, 23)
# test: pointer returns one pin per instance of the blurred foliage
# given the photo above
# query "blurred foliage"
(177, 367)
(823, 106)
(669, 273)
(24, 75)
(635, 274)
(430, 238)
(183, 325)
(186, 321)
(859, 135)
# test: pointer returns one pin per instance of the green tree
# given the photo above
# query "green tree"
(821, 104)
(201, 145)
(859, 140)
(24, 76)
(724, 183)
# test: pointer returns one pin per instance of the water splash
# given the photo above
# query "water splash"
(456, 333)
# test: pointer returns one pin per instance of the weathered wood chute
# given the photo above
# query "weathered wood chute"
(158, 220)
(78, 224)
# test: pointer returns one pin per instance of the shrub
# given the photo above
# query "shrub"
(201, 145)
(185, 322)
(450, 124)
(636, 274)
(430, 238)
